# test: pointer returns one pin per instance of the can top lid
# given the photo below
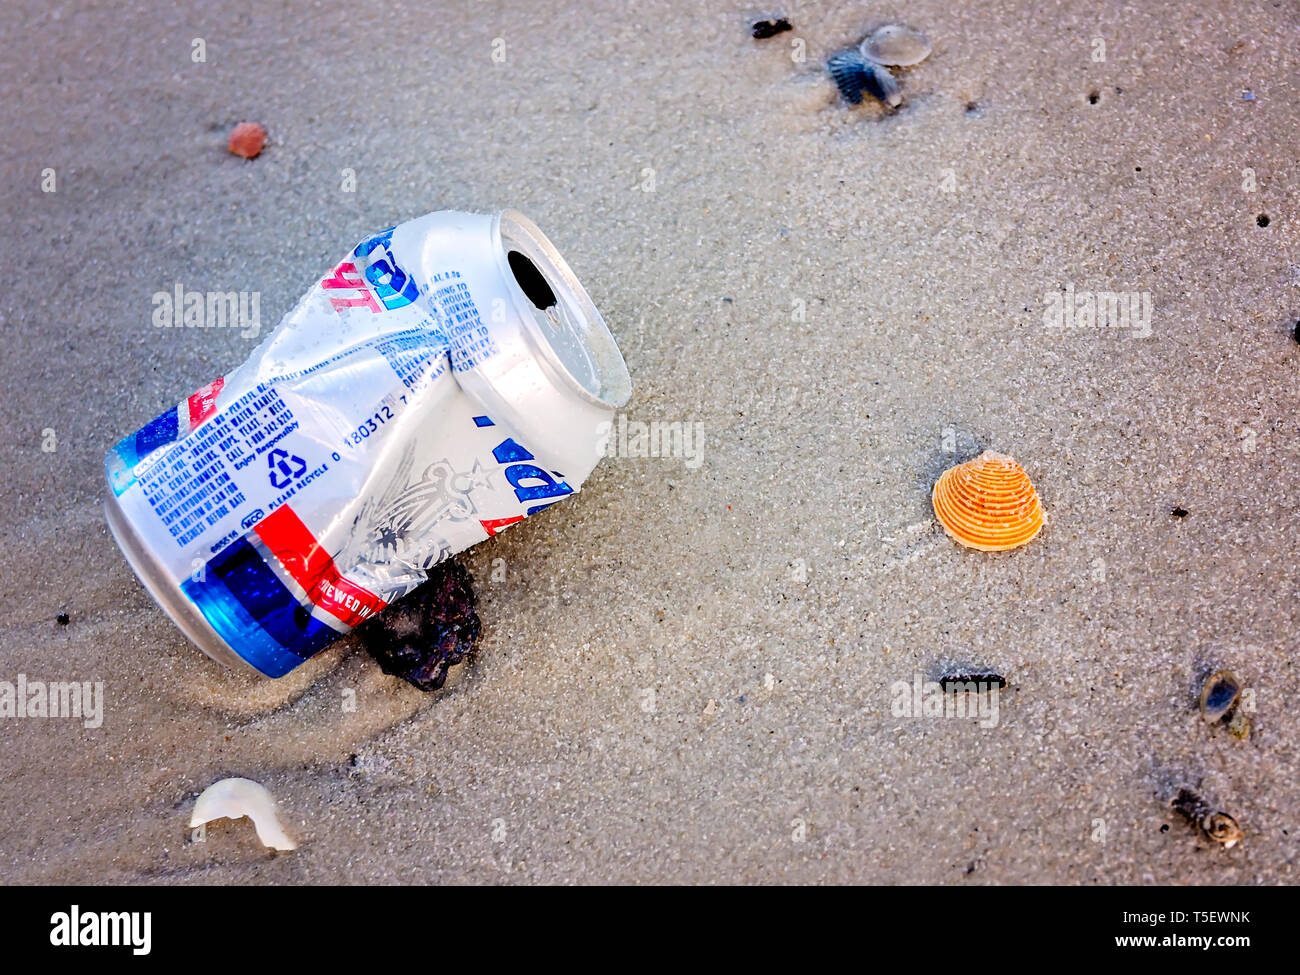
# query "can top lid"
(564, 323)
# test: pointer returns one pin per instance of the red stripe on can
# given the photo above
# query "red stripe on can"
(494, 525)
(204, 403)
(296, 548)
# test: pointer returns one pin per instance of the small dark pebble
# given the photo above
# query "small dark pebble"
(1178, 512)
(428, 631)
(62, 619)
(1295, 333)
(955, 681)
(1262, 220)
(763, 29)
(1190, 806)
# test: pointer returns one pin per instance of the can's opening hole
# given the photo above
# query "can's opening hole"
(531, 281)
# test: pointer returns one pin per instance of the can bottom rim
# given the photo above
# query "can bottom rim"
(168, 595)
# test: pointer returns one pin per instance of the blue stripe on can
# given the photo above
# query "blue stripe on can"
(129, 451)
(119, 463)
(304, 634)
(251, 580)
(242, 633)
(266, 599)
(162, 431)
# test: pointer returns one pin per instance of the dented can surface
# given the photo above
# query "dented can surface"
(447, 379)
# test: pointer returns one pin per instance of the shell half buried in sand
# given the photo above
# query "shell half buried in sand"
(988, 503)
(237, 798)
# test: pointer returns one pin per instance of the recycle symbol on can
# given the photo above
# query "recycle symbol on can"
(284, 467)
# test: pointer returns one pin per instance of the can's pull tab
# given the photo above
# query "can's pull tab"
(560, 328)
(531, 281)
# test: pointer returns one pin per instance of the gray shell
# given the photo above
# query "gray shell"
(1219, 695)
(848, 70)
(854, 74)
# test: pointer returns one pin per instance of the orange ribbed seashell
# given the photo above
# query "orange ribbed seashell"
(988, 503)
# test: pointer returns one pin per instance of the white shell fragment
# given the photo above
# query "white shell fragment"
(236, 798)
(896, 45)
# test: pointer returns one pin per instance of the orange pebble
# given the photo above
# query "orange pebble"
(247, 139)
(988, 503)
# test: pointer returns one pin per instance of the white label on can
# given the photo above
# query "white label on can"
(320, 480)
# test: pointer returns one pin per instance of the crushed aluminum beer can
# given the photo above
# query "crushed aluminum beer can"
(447, 379)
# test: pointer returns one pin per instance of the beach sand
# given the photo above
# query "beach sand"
(847, 301)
